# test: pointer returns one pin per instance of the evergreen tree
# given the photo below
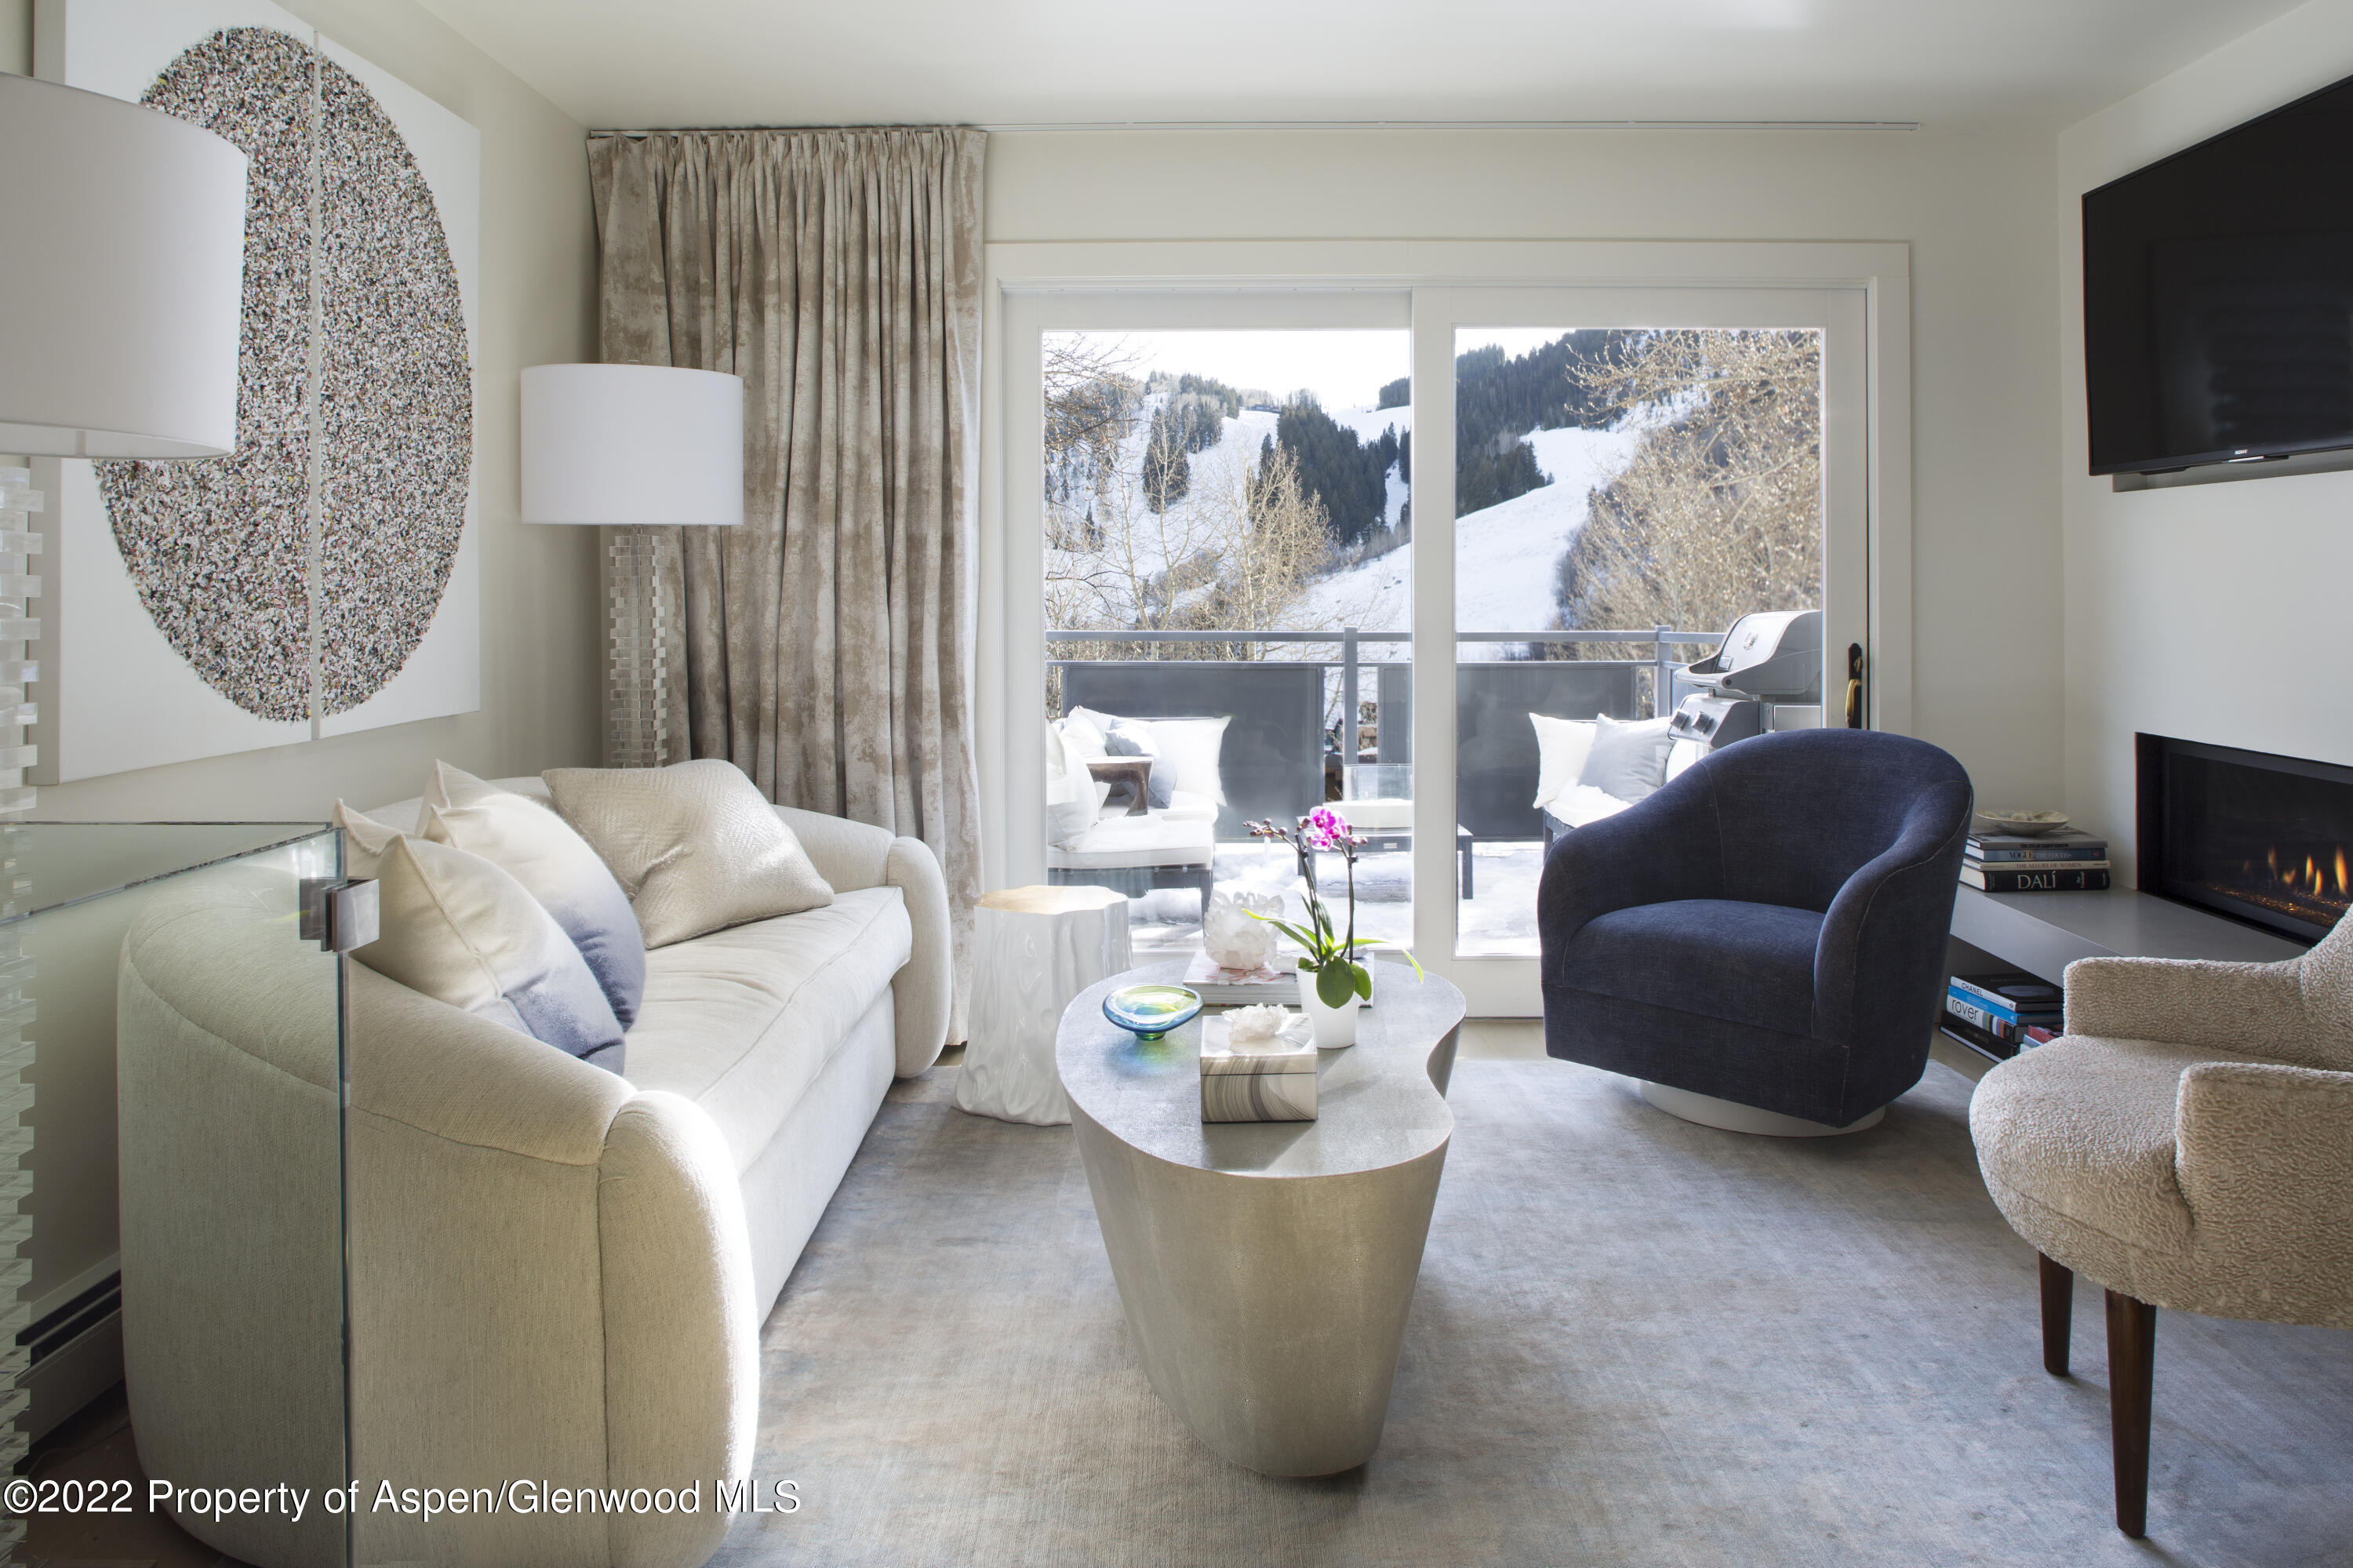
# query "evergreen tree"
(1168, 471)
(1499, 399)
(1398, 393)
(1347, 476)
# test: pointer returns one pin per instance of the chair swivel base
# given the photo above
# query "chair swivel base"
(1732, 1117)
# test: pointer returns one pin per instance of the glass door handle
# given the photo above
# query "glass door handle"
(1854, 686)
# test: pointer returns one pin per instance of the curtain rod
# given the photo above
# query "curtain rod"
(1100, 126)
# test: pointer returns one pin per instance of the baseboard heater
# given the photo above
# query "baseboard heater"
(76, 1354)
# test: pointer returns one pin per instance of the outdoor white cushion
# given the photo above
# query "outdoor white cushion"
(1185, 806)
(1561, 748)
(696, 846)
(1682, 754)
(1377, 816)
(1583, 803)
(530, 843)
(1122, 842)
(458, 929)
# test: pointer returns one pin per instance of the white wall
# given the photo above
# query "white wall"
(1975, 208)
(2214, 612)
(540, 628)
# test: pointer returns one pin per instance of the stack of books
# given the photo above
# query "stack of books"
(2003, 1013)
(2062, 863)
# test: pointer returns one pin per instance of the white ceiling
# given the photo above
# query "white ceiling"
(644, 63)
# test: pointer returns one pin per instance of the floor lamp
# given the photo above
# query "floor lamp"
(633, 448)
(122, 279)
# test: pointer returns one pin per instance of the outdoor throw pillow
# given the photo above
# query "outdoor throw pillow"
(458, 928)
(1135, 737)
(696, 846)
(1184, 751)
(1561, 748)
(1628, 761)
(539, 849)
(1072, 803)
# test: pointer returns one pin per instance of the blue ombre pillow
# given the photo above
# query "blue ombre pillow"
(457, 928)
(540, 850)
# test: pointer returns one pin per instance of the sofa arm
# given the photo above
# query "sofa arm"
(848, 854)
(924, 988)
(2264, 1158)
(550, 1278)
(858, 854)
(2255, 1008)
(681, 1334)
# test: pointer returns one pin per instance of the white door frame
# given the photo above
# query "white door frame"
(1028, 288)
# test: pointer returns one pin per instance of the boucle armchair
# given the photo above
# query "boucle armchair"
(1767, 929)
(2187, 1143)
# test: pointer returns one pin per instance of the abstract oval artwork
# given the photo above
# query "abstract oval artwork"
(220, 549)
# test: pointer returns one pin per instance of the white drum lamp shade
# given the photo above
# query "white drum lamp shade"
(632, 445)
(633, 448)
(122, 278)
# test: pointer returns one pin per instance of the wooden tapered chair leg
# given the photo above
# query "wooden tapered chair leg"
(2058, 1314)
(2132, 1362)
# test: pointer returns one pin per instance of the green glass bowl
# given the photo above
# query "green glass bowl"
(1149, 1012)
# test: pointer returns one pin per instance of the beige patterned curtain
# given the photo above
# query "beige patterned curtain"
(825, 646)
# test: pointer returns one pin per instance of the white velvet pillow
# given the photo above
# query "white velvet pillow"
(456, 927)
(1561, 748)
(696, 846)
(531, 843)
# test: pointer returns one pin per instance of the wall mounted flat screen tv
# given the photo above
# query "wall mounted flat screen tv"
(2217, 296)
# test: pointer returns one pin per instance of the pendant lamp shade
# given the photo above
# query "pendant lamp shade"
(632, 445)
(122, 278)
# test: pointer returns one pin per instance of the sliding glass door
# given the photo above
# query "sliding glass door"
(1633, 472)
(1227, 597)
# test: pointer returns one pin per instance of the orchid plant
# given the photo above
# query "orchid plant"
(1325, 953)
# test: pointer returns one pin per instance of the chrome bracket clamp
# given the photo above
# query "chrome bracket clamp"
(339, 915)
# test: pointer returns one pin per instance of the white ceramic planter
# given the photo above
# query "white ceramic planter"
(1334, 1026)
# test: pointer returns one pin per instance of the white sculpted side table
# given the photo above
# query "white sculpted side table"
(1033, 949)
(1266, 1267)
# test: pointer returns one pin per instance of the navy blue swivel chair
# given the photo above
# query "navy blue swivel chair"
(1769, 928)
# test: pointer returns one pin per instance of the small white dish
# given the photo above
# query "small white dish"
(2022, 824)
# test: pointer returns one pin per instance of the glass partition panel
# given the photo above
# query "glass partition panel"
(1228, 604)
(1622, 495)
(171, 1146)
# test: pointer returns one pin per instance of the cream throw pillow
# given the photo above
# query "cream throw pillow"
(1561, 748)
(696, 846)
(531, 843)
(456, 927)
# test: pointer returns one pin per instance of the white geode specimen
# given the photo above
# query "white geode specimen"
(1258, 1028)
(1228, 935)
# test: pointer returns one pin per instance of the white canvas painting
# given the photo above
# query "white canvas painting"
(325, 577)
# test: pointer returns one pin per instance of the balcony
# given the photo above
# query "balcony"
(1287, 696)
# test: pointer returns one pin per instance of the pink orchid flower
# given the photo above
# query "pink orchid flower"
(1326, 829)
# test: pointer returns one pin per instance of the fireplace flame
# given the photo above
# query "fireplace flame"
(2341, 884)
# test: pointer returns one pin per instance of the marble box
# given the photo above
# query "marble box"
(1253, 1083)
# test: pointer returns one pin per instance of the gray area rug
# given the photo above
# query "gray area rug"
(1635, 1340)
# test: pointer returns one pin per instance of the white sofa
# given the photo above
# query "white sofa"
(555, 1273)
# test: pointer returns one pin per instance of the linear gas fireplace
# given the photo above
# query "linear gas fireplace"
(2259, 838)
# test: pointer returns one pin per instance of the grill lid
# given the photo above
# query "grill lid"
(1775, 655)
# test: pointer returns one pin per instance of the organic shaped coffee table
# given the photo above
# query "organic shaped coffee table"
(1266, 1267)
